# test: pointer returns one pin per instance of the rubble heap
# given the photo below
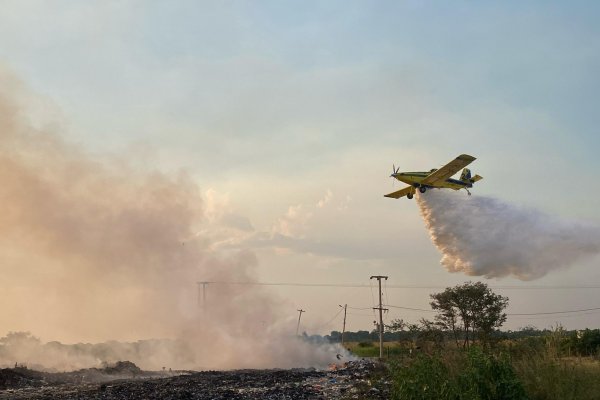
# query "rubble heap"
(20, 378)
(352, 380)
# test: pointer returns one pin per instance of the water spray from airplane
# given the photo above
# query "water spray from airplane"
(483, 236)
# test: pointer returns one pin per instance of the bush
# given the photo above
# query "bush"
(469, 375)
(489, 377)
(424, 378)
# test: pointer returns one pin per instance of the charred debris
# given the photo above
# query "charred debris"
(124, 380)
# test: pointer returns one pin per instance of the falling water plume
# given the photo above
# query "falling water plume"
(484, 236)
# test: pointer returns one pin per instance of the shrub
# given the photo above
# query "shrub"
(489, 377)
(465, 375)
(425, 378)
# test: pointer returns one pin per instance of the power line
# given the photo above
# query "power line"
(409, 308)
(361, 315)
(331, 320)
(418, 287)
(508, 314)
(361, 285)
(557, 312)
(372, 298)
(385, 286)
(522, 318)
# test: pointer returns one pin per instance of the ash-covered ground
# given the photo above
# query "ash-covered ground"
(352, 380)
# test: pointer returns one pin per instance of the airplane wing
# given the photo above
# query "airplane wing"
(448, 170)
(400, 193)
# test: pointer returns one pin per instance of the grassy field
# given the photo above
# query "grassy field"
(515, 371)
(559, 378)
(371, 349)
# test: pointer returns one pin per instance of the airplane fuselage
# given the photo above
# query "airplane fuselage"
(435, 178)
(414, 179)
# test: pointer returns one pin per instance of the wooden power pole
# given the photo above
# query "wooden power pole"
(344, 326)
(381, 309)
(300, 311)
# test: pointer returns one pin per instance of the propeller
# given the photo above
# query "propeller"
(394, 171)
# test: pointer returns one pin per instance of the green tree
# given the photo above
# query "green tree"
(470, 310)
(425, 330)
(586, 342)
(396, 325)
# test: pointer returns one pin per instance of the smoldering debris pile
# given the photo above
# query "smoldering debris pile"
(122, 368)
(358, 379)
(23, 377)
(110, 372)
(20, 378)
(352, 380)
(484, 236)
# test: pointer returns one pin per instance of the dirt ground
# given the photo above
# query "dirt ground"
(353, 380)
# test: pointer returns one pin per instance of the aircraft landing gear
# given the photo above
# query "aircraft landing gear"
(422, 189)
(409, 196)
(468, 191)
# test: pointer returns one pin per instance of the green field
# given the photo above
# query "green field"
(538, 369)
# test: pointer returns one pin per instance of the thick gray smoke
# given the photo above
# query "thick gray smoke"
(92, 249)
(483, 236)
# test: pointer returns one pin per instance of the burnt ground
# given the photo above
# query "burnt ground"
(353, 380)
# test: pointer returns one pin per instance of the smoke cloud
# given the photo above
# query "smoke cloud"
(93, 249)
(483, 236)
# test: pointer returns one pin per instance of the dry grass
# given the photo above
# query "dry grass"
(546, 378)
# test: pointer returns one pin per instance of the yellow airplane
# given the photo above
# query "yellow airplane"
(436, 178)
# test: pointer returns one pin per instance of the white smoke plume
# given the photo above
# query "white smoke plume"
(92, 249)
(483, 236)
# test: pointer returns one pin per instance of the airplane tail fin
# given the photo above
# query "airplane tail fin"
(466, 176)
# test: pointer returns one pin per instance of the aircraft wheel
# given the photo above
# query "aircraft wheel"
(409, 196)
(422, 189)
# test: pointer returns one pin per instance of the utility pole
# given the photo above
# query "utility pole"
(300, 311)
(202, 294)
(381, 309)
(344, 326)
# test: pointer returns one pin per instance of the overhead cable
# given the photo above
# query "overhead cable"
(361, 285)
(508, 314)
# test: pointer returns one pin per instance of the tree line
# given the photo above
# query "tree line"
(467, 313)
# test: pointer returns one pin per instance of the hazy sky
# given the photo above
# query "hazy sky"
(289, 116)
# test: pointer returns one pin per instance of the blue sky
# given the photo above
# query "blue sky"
(290, 114)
